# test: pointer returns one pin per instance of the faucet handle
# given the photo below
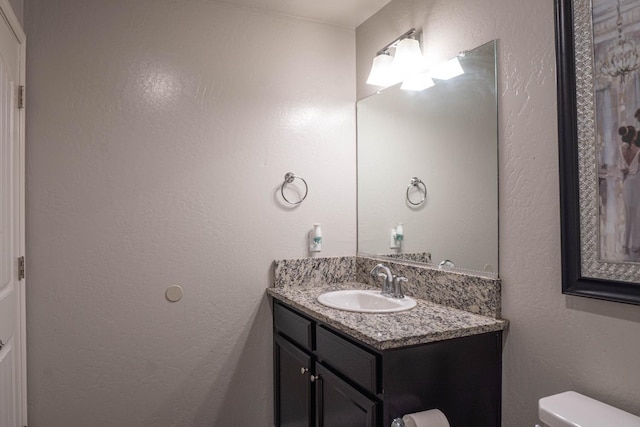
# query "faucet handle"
(397, 286)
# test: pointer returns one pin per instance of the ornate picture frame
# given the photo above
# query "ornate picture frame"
(590, 268)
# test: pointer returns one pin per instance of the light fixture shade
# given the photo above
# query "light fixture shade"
(382, 73)
(408, 57)
(446, 70)
(417, 82)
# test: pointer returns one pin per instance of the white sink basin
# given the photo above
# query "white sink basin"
(365, 301)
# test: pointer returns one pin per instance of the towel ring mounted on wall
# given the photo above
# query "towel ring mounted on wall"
(417, 183)
(289, 177)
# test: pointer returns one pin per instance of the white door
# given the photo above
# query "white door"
(12, 296)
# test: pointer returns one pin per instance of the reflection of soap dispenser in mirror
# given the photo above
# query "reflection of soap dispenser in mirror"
(315, 239)
(397, 236)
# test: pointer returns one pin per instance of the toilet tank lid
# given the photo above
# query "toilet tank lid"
(571, 409)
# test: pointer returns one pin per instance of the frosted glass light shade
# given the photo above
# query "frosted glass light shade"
(417, 82)
(382, 73)
(446, 70)
(408, 58)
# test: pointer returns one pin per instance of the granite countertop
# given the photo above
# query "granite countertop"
(427, 322)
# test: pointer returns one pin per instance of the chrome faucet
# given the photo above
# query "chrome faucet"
(392, 285)
(387, 285)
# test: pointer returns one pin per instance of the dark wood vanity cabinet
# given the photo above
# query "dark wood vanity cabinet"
(326, 379)
(293, 389)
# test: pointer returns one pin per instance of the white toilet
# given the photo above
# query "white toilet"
(571, 409)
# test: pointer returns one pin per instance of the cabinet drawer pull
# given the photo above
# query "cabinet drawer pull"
(304, 370)
(314, 378)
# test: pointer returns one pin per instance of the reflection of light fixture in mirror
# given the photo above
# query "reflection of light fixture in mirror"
(446, 70)
(417, 81)
(382, 73)
(388, 70)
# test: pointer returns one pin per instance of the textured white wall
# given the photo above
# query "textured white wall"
(159, 133)
(555, 342)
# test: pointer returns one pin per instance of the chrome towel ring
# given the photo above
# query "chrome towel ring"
(289, 177)
(417, 183)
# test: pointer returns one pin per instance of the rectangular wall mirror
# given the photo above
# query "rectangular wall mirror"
(446, 137)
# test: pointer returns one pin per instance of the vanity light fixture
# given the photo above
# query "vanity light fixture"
(408, 65)
(388, 70)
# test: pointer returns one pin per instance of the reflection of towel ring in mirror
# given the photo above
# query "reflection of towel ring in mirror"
(417, 182)
(289, 177)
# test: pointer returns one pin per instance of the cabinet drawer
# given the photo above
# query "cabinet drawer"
(347, 358)
(292, 325)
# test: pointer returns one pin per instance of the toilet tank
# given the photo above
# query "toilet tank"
(571, 409)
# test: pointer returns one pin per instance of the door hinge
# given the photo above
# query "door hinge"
(21, 268)
(21, 96)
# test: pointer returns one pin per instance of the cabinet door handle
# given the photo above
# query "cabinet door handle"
(314, 378)
(304, 370)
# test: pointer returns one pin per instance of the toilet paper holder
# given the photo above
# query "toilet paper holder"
(431, 418)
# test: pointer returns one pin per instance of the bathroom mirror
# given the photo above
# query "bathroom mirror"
(446, 136)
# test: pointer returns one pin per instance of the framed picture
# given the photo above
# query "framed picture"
(598, 66)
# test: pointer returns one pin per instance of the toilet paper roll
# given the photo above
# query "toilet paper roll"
(430, 418)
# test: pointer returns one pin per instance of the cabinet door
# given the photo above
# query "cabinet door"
(340, 405)
(293, 387)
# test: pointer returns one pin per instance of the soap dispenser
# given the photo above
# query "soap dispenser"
(315, 238)
(397, 236)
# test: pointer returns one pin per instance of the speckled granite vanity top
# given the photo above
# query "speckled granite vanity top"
(427, 322)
